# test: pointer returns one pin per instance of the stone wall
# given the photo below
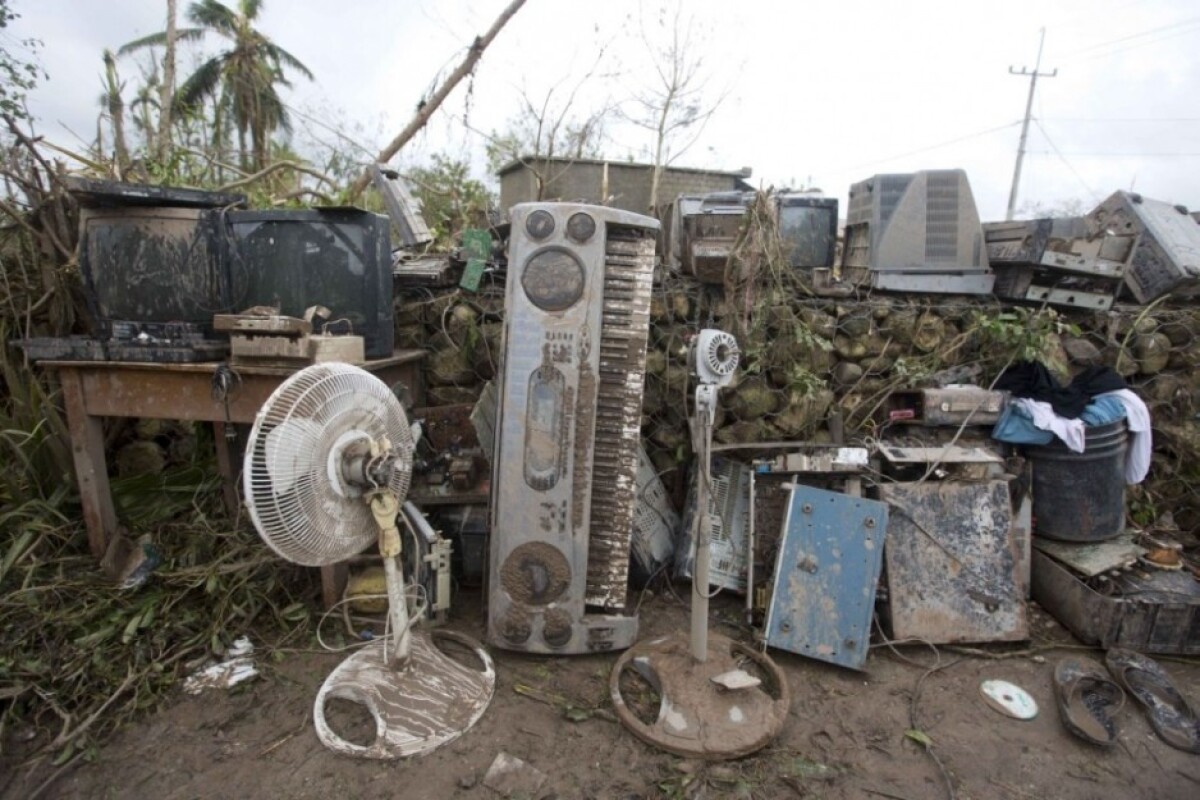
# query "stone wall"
(808, 359)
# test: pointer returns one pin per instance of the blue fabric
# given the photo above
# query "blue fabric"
(1103, 411)
(1015, 427)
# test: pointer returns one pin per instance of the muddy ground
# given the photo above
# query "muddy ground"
(844, 738)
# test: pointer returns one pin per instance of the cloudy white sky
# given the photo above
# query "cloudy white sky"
(816, 93)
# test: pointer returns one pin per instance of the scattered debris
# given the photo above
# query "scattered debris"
(237, 666)
(509, 776)
(1009, 699)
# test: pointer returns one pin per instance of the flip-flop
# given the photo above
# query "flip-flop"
(1088, 700)
(1170, 716)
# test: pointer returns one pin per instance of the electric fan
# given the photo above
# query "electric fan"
(327, 468)
(710, 706)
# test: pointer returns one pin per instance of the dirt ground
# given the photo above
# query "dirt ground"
(844, 738)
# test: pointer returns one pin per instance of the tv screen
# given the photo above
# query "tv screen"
(808, 226)
(337, 258)
(153, 264)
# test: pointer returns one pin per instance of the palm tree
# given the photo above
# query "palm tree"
(241, 80)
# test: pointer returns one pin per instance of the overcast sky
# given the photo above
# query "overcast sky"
(821, 94)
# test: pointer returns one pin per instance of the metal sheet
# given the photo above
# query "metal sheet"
(1092, 558)
(952, 575)
(825, 576)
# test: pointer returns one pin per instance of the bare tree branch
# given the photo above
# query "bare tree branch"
(425, 111)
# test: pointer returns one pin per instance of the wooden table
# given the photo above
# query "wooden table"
(96, 389)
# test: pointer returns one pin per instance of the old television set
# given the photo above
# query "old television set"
(339, 258)
(917, 231)
(703, 229)
(151, 257)
(808, 227)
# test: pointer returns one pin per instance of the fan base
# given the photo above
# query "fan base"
(698, 717)
(429, 701)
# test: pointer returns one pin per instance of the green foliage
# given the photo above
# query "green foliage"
(450, 198)
(241, 80)
(19, 73)
(1022, 334)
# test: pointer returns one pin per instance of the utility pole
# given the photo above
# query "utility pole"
(1033, 76)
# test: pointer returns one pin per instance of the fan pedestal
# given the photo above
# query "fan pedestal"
(697, 716)
(427, 702)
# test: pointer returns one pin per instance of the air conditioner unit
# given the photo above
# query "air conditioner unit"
(916, 232)
(564, 489)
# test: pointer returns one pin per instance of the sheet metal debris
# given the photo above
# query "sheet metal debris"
(825, 576)
(951, 566)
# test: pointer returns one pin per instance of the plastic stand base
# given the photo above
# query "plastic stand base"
(697, 717)
(427, 702)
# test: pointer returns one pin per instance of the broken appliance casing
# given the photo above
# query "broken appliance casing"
(568, 427)
(825, 576)
(952, 563)
(1166, 255)
(284, 341)
(945, 406)
(1060, 262)
(917, 232)
(729, 519)
(704, 229)
(1150, 611)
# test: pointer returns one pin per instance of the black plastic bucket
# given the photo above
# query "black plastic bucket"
(1080, 497)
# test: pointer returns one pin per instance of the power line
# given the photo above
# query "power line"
(1185, 23)
(918, 151)
(1095, 195)
(1118, 119)
(1101, 154)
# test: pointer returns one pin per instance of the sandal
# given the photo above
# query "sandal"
(1170, 716)
(1088, 700)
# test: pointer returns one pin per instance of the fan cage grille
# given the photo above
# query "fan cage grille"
(294, 496)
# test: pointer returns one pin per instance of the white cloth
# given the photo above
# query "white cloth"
(1072, 431)
(1137, 417)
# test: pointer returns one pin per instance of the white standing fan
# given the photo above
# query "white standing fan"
(710, 705)
(327, 468)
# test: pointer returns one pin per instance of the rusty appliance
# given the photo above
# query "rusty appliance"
(825, 576)
(710, 705)
(564, 485)
(916, 232)
(1060, 262)
(952, 562)
(728, 518)
(945, 406)
(154, 272)
(705, 228)
(1166, 249)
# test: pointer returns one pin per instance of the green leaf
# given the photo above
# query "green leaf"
(131, 628)
(920, 737)
(577, 714)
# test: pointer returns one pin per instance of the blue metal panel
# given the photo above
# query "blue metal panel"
(825, 576)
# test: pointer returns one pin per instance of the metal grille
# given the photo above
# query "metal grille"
(941, 218)
(624, 329)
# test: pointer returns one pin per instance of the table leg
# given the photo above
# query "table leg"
(91, 469)
(226, 467)
(333, 582)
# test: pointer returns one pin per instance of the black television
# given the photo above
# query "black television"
(808, 227)
(151, 254)
(152, 265)
(340, 258)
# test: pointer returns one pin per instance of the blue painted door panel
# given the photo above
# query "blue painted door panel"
(825, 576)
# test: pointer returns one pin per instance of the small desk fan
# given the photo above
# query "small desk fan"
(327, 467)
